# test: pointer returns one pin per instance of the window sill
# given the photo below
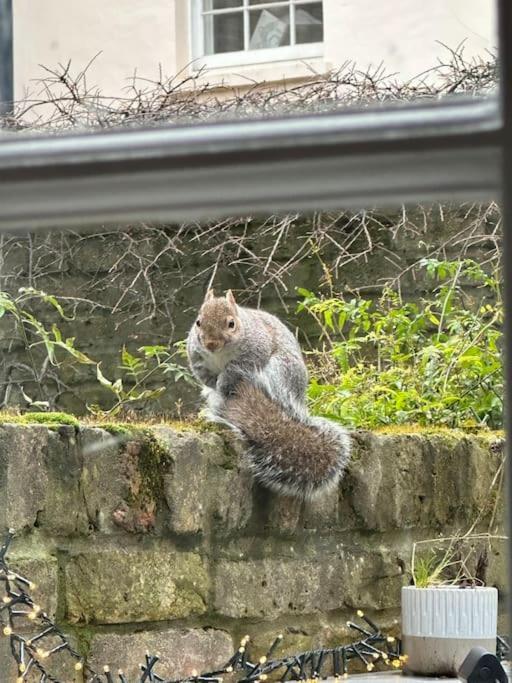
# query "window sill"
(264, 73)
(254, 58)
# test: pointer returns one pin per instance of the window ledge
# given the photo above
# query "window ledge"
(254, 58)
(265, 73)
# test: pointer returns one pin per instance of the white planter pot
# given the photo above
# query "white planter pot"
(440, 625)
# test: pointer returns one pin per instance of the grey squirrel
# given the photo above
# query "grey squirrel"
(254, 379)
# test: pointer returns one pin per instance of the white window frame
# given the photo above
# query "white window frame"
(246, 57)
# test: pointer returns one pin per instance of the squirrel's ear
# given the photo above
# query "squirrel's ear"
(210, 294)
(230, 298)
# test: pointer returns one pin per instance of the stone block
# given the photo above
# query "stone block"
(389, 483)
(303, 634)
(123, 479)
(205, 485)
(64, 512)
(465, 469)
(407, 481)
(299, 637)
(283, 513)
(117, 586)
(103, 478)
(40, 479)
(60, 665)
(271, 587)
(232, 501)
(323, 513)
(186, 485)
(23, 475)
(43, 572)
(498, 572)
(180, 651)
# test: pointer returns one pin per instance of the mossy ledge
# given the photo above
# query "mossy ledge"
(202, 425)
(49, 419)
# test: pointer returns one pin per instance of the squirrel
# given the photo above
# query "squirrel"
(254, 379)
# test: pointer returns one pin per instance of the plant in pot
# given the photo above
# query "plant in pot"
(448, 609)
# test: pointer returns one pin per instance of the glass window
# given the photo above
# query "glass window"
(241, 25)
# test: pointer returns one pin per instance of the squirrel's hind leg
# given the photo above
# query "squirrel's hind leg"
(285, 379)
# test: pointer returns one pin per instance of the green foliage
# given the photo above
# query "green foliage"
(138, 372)
(27, 323)
(433, 362)
(35, 334)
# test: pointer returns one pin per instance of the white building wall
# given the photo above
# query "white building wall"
(132, 35)
(406, 34)
(141, 35)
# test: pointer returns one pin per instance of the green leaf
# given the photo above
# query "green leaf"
(154, 351)
(47, 298)
(118, 386)
(102, 379)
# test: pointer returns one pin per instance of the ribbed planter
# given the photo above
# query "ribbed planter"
(440, 625)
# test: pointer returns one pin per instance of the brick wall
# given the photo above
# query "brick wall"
(156, 539)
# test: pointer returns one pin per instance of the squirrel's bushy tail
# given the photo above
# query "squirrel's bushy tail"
(288, 450)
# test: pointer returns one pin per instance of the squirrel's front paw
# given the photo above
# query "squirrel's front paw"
(227, 384)
(210, 381)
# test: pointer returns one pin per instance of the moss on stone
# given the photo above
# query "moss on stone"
(429, 430)
(49, 419)
(116, 428)
(82, 637)
(231, 458)
(130, 423)
(153, 459)
(147, 460)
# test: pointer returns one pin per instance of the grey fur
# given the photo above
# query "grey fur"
(256, 384)
(263, 337)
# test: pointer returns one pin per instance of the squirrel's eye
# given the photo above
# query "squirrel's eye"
(231, 324)
(198, 323)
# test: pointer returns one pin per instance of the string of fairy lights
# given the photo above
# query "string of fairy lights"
(35, 653)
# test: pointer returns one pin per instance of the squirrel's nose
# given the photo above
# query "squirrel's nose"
(212, 345)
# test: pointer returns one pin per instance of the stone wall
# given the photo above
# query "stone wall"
(160, 307)
(156, 539)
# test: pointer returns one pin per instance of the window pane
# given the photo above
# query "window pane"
(270, 28)
(220, 4)
(268, 2)
(224, 33)
(309, 23)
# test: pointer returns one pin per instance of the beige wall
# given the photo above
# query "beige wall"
(405, 34)
(132, 35)
(140, 35)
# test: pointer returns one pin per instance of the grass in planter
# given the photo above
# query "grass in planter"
(432, 569)
(434, 362)
(458, 560)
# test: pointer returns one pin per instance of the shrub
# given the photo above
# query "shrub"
(435, 362)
